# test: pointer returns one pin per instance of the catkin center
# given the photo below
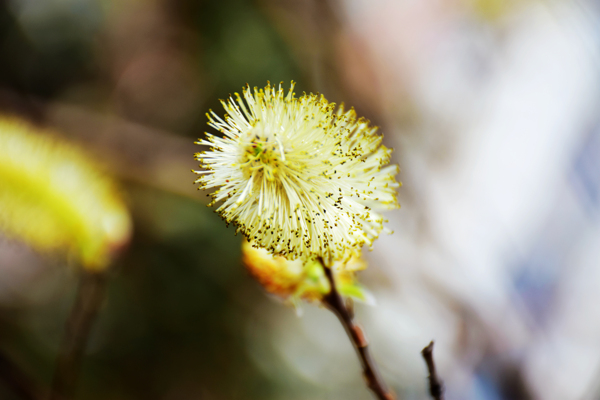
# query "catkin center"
(263, 154)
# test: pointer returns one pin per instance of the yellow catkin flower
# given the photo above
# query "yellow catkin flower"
(297, 176)
(53, 198)
(294, 280)
(492, 10)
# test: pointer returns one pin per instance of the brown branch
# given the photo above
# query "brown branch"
(436, 387)
(19, 381)
(90, 295)
(334, 301)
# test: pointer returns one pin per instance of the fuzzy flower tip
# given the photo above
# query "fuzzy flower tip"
(53, 198)
(297, 176)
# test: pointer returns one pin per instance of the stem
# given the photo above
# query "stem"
(333, 300)
(21, 383)
(436, 387)
(90, 294)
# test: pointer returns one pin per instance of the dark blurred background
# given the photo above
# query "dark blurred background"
(492, 108)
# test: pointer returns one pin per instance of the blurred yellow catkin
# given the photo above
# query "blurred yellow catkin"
(493, 10)
(53, 197)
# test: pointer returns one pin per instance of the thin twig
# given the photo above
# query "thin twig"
(19, 381)
(334, 301)
(436, 387)
(90, 295)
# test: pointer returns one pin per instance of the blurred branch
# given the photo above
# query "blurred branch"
(310, 28)
(334, 301)
(128, 150)
(15, 378)
(436, 387)
(92, 286)
(132, 151)
(333, 58)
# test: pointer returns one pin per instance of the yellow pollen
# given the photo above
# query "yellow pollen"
(263, 157)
